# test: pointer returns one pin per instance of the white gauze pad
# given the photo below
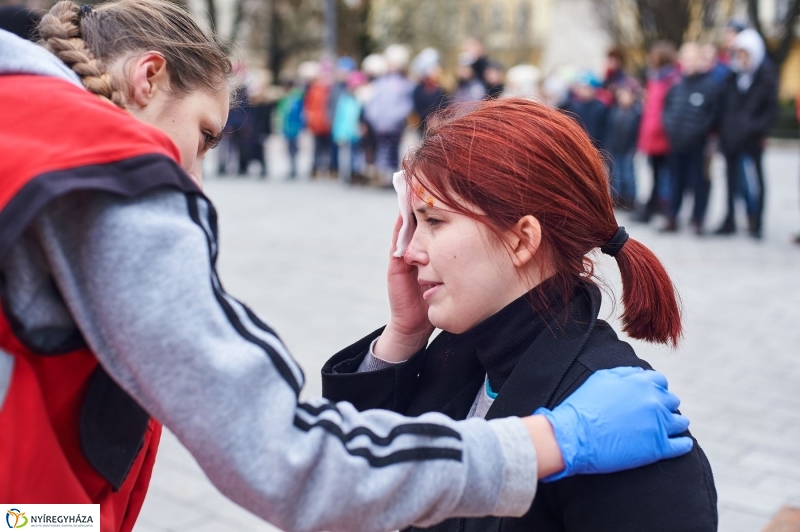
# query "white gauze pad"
(407, 229)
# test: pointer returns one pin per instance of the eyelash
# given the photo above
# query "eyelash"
(210, 141)
(428, 220)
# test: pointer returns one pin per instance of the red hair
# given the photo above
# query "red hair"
(516, 157)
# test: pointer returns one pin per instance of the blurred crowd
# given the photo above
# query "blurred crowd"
(358, 114)
(688, 104)
(692, 103)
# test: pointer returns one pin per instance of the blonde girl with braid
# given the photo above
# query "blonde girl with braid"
(113, 319)
(152, 59)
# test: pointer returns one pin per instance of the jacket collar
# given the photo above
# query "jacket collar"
(542, 368)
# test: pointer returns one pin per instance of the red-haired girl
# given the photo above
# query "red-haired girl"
(508, 202)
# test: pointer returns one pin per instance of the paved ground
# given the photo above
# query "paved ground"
(310, 257)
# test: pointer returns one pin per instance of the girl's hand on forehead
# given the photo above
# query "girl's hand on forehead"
(408, 329)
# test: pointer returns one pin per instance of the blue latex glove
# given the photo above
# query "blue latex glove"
(618, 419)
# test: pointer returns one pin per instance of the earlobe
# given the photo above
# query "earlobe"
(148, 77)
(527, 238)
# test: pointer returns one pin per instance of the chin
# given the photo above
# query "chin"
(446, 321)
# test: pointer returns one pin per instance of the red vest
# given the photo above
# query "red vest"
(57, 444)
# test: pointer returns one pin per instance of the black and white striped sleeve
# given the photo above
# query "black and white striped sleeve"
(139, 277)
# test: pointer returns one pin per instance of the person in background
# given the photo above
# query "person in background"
(344, 66)
(374, 66)
(690, 110)
(257, 128)
(494, 79)
(388, 110)
(289, 121)
(473, 52)
(347, 126)
(722, 70)
(470, 87)
(732, 29)
(429, 95)
(750, 109)
(229, 146)
(590, 111)
(523, 80)
(318, 119)
(622, 132)
(20, 21)
(653, 141)
(713, 65)
(615, 76)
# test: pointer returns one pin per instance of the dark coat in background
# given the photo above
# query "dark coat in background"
(536, 359)
(691, 109)
(592, 115)
(747, 116)
(622, 128)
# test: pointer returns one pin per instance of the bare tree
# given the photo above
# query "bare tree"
(785, 28)
(636, 24)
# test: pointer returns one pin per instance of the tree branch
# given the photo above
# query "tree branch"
(787, 34)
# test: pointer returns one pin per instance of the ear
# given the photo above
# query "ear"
(524, 240)
(148, 77)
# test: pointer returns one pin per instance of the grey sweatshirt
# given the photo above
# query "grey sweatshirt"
(136, 277)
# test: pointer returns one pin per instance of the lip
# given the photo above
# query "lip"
(429, 288)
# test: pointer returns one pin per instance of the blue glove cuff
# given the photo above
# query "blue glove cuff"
(565, 443)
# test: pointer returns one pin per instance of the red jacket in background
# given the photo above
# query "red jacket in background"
(315, 107)
(652, 136)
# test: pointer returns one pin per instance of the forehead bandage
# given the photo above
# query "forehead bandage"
(404, 200)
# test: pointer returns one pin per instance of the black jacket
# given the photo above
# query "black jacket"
(691, 109)
(747, 116)
(592, 115)
(622, 129)
(534, 362)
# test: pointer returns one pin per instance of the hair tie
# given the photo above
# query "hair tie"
(86, 10)
(613, 246)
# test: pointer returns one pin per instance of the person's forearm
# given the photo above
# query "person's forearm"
(548, 455)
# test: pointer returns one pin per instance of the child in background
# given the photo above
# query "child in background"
(290, 122)
(590, 111)
(347, 125)
(622, 132)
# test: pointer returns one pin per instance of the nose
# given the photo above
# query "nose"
(415, 254)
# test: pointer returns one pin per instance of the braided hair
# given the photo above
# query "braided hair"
(90, 39)
(60, 31)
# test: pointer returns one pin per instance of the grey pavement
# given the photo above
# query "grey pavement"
(310, 258)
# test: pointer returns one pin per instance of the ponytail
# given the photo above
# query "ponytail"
(651, 304)
(60, 31)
